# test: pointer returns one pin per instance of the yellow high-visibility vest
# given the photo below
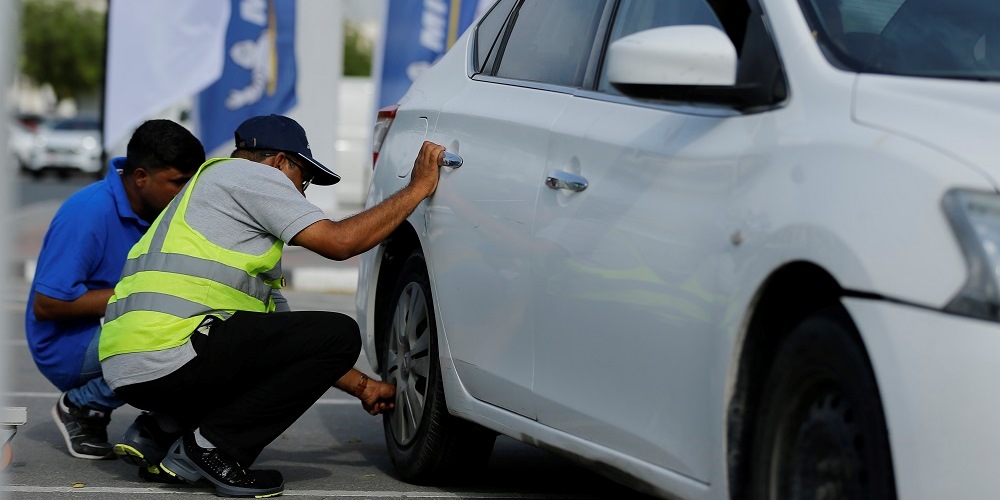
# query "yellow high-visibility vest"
(174, 277)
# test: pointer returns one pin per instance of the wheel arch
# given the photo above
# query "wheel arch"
(788, 296)
(396, 248)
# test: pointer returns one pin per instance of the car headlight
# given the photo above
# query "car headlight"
(89, 142)
(975, 218)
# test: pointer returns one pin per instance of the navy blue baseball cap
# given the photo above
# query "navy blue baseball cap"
(281, 133)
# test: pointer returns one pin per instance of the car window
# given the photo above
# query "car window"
(550, 41)
(488, 31)
(954, 39)
(638, 15)
(865, 16)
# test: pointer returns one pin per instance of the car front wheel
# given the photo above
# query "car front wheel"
(425, 442)
(822, 433)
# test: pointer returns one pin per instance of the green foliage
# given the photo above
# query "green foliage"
(62, 44)
(357, 52)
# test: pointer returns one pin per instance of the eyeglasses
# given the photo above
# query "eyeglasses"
(288, 156)
(305, 182)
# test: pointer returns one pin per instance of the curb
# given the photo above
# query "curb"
(301, 279)
(323, 279)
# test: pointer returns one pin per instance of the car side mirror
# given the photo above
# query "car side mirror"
(673, 55)
(681, 64)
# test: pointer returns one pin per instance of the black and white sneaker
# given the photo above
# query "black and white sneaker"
(84, 429)
(190, 462)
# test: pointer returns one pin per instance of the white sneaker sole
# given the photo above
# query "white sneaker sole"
(69, 442)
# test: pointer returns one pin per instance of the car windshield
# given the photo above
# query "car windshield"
(929, 38)
(74, 124)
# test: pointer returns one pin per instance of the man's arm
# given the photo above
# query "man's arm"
(89, 305)
(354, 235)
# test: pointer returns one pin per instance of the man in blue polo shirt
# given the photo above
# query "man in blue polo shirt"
(80, 262)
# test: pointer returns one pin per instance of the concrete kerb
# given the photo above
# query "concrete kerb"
(304, 279)
(303, 269)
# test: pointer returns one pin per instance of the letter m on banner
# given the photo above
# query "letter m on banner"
(258, 75)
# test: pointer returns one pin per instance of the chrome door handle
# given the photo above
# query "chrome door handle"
(564, 180)
(451, 160)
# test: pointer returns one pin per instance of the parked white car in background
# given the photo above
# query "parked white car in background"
(20, 142)
(743, 249)
(66, 146)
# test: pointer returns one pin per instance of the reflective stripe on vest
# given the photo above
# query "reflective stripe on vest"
(158, 302)
(169, 285)
(191, 266)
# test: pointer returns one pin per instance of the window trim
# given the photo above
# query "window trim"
(474, 53)
(495, 57)
(589, 69)
(705, 100)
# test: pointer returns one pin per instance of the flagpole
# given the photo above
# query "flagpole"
(104, 83)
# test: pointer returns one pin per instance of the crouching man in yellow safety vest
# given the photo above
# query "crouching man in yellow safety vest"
(198, 331)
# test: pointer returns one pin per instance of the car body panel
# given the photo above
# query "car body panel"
(617, 315)
(475, 240)
(633, 249)
(942, 427)
(966, 116)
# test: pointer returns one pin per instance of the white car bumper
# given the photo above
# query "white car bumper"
(938, 375)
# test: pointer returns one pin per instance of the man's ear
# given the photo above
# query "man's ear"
(277, 162)
(140, 176)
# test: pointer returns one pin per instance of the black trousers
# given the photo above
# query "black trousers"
(255, 374)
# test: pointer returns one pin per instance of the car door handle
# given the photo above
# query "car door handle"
(561, 179)
(451, 160)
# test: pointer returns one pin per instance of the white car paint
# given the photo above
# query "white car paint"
(713, 64)
(687, 214)
(59, 145)
(20, 142)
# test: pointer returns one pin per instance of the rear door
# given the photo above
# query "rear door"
(480, 219)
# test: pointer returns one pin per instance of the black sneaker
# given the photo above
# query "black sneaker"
(84, 429)
(145, 444)
(190, 462)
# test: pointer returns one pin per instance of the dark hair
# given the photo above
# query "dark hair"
(161, 144)
(257, 155)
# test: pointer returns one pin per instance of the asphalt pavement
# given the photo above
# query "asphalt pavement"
(335, 450)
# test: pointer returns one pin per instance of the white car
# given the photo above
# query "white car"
(742, 249)
(67, 146)
(20, 142)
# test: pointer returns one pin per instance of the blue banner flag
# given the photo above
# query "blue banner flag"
(258, 75)
(417, 34)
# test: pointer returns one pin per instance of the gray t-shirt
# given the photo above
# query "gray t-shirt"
(237, 204)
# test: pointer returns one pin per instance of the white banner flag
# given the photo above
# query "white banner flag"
(159, 52)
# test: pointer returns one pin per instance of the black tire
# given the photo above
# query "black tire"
(821, 431)
(432, 446)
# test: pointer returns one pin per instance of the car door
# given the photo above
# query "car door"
(632, 263)
(480, 217)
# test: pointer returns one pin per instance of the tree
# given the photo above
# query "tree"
(62, 44)
(357, 52)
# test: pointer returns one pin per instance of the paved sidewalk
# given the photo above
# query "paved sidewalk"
(304, 270)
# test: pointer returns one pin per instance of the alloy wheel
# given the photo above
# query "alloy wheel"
(409, 361)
